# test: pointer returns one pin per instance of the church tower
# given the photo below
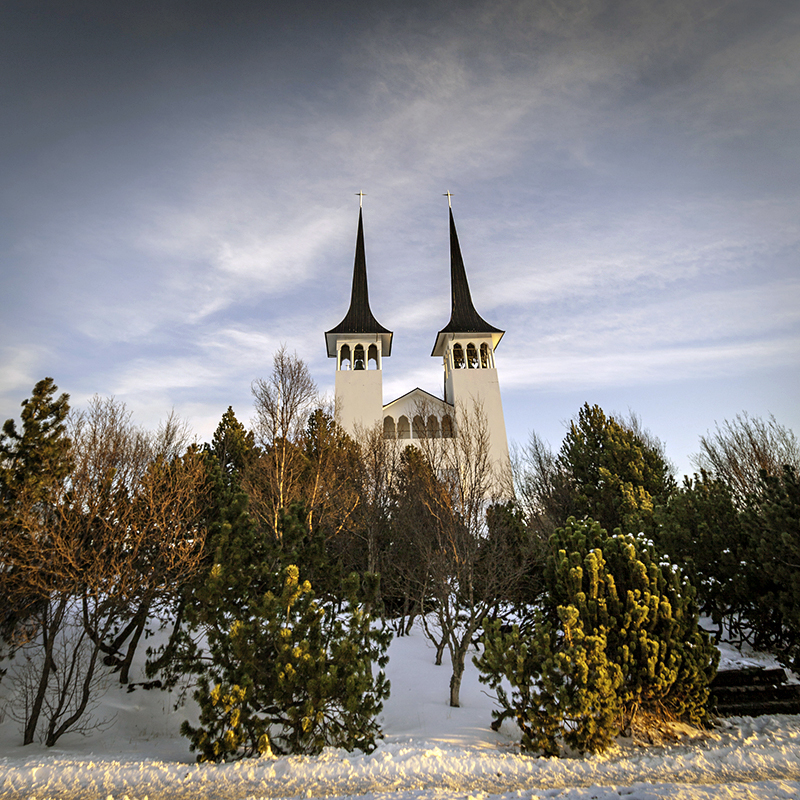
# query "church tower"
(359, 344)
(466, 345)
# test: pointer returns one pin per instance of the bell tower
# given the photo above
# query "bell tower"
(359, 344)
(466, 345)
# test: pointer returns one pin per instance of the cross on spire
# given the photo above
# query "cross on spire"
(448, 196)
(360, 196)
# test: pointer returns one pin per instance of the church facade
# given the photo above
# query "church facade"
(466, 345)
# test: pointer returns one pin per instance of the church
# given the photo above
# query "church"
(466, 345)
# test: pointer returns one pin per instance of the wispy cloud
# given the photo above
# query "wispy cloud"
(625, 179)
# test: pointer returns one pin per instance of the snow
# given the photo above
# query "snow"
(430, 751)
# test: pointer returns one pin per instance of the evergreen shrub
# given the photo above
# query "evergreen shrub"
(617, 635)
(291, 677)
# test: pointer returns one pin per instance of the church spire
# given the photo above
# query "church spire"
(359, 317)
(463, 316)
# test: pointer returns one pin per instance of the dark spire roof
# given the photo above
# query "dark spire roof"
(463, 316)
(359, 318)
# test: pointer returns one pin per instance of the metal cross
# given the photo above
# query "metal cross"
(360, 196)
(448, 196)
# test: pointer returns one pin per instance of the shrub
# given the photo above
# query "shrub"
(617, 635)
(292, 677)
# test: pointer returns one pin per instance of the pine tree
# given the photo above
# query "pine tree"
(563, 686)
(35, 459)
(232, 444)
(700, 530)
(33, 464)
(771, 524)
(618, 635)
(618, 582)
(291, 677)
(283, 670)
(618, 478)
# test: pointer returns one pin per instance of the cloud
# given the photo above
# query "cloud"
(19, 370)
(634, 366)
(624, 177)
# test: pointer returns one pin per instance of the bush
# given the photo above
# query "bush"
(291, 677)
(701, 530)
(617, 635)
(771, 523)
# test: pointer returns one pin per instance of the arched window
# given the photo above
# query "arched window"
(472, 356)
(485, 358)
(389, 431)
(419, 427)
(447, 427)
(358, 357)
(372, 357)
(403, 428)
(433, 427)
(344, 357)
(458, 356)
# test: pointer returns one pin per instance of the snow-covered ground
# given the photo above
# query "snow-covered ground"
(430, 751)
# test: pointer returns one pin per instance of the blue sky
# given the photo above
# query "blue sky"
(179, 179)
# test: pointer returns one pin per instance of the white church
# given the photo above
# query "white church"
(466, 345)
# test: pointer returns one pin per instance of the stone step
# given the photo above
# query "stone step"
(749, 676)
(766, 693)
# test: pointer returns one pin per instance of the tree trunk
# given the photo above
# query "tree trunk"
(455, 678)
(412, 615)
(141, 622)
(50, 629)
(67, 692)
(439, 643)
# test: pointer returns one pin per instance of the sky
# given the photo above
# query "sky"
(179, 179)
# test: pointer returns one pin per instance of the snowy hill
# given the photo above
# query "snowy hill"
(429, 750)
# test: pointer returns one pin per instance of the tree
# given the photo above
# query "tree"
(771, 522)
(404, 566)
(563, 685)
(608, 468)
(232, 444)
(700, 529)
(331, 499)
(618, 478)
(106, 540)
(740, 449)
(378, 470)
(284, 402)
(467, 572)
(542, 486)
(277, 667)
(290, 677)
(33, 462)
(617, 638)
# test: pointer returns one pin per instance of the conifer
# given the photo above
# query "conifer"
(284, 671)
(618, 634)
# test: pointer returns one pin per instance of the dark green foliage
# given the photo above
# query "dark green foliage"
(282, 670)
(232, 445)
(405, 572)
(701, 531)
(563, 686)
(33, 464)
(290, 677)
(745, 560)
(618, 478)
(509, 546)
(618, 635)
(36, 458)
(771, 523)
